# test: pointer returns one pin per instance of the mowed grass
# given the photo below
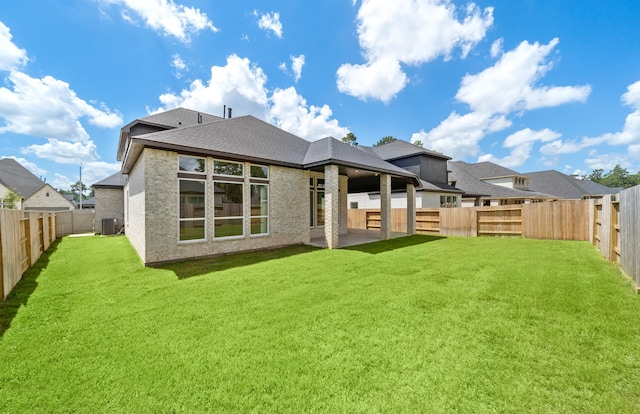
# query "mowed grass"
(418, 324)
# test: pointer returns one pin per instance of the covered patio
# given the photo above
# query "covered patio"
(354, 237)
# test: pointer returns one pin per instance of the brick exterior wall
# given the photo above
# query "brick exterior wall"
(40, 201)
(135, 206)
(109, 204)
(153, 186)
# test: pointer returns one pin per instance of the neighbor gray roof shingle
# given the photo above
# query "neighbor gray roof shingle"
(179, 118)
(113, 181)
(402, 149)
(13, 175)
(462, 174)
(564, 186)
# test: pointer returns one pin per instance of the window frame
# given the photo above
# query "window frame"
(260, 216)
(192, 219)
(241, 217)
(218, 174)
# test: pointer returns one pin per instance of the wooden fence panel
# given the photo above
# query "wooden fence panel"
(428, 221)
(500, 221)
(559, 220)
(34, 241)
(629, 224)
(12, 248)
(603, 226)
(459, 221)
(399, 220)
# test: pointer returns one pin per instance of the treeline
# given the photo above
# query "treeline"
(618, 177)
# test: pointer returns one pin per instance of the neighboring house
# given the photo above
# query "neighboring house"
(198, 185)
(564, 186)
(35, 193)
(489, 184)
(429, 166)
(109, 201)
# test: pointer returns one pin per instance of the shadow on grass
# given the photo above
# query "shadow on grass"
(22, 291)
(198, 267)
(393, 244)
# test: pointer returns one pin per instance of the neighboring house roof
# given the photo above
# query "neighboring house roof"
(13, 175)
(466, 179)
(401, 149)
(439, 187)
(484, 170)
(564, 186)
(247, 138)
(113, 181)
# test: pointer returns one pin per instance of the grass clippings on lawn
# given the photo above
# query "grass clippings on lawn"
(418, 324)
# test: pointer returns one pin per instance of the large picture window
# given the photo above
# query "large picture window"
(228, 218)
(192, 210)
(259, 209)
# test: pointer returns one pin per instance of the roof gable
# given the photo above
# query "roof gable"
(402, 149)
(14, 175)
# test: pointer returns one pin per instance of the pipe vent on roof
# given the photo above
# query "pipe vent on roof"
(229, 109)
(199, 118)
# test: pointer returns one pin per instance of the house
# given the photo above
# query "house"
(429, 166)
(34, 193)
(197, 185)
(489, 184)
(109, 201)
(567, 187)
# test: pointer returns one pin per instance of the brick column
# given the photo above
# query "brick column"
(385, 206)
(411, 209)
(332, 206)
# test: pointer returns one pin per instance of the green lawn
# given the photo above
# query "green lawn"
(418, 324)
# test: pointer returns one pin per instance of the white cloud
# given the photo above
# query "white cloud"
(238, 84)
(166, 16)
(607, 161)
(11, 56)
(64, 152)
(521, 144)
(510, 86)
(381, 79)
(297, 62)
(458, 135)
(496, 48)
(179, 65)
(408, 32)
(271, 21)
(49, 108)
(29, 166)
(241, 85)
(291, 113)
(92, 172)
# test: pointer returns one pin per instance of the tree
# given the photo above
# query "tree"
(11, 199)
(385, 140)
(75, 190)
(350, 139)
(418, 143)
(617, 177)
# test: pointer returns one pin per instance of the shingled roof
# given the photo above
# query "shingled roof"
(13, 175)
(247, 138)
(468, 179)
(401, 149)
(564, 186)
(113, 181)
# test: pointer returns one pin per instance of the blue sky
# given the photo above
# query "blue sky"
(531, 85)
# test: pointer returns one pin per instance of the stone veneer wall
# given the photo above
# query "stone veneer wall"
(109, 204)
(288, 212)
(135, 205)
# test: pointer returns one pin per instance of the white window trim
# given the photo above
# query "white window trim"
(259, 178)
(204, 173)
(180, 219)
(266, 184)
(242, 217)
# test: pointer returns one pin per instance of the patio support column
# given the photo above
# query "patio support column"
(411, 209)
(332, 206)
(385, 206)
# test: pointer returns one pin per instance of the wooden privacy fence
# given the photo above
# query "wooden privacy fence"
(24, 236)
(559, 220)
